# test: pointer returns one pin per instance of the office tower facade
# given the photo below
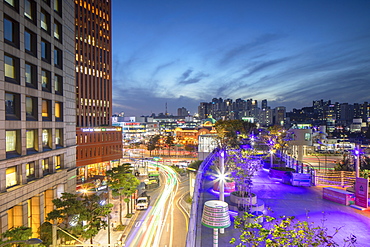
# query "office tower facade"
(99, 144)
(37, 114)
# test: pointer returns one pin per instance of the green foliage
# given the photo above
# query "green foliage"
(177, 169)
(195, 164)
(344, 164)
(281, 232)
(153, 143)
(86, 211)
(230, 132)
(45, 232)
(365, 173)
(119, 228)
(16, 233)
(122, 183)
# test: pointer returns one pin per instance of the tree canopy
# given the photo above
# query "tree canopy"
(82, 216)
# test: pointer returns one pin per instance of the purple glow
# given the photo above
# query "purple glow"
(216, 193)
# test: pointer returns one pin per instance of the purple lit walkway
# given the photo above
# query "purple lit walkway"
(301, 202)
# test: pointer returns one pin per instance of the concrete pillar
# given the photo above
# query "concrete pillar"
(3, 222)
(22, 173)
(3, 180)
(48, 197)
(18, 215)
(35, 215)
(38, 169)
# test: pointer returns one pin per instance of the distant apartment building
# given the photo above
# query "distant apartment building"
(247, 110)
(37, 114)
(99, 144)
(183, 112)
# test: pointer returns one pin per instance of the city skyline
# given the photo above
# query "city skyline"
(290, 53)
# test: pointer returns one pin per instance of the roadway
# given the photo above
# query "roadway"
(157, 225)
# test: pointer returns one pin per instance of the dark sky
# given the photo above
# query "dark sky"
(288, 52)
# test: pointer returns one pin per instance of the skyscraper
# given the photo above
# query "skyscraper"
(37, 113)
(99, 144)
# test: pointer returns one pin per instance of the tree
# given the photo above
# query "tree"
(229, 132)
(16, 233)
(122, 183)
(169, 141)
(283, 232)
(243, 165)
(83, 216)
(153, 143)
(195, 164)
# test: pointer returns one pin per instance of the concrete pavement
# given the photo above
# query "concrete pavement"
(305, 203)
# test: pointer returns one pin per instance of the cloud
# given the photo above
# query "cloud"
(231, 54)
(186, 78)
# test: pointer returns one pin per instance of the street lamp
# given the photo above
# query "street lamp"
(30, 241)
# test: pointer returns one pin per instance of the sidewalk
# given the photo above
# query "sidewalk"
(305, 203)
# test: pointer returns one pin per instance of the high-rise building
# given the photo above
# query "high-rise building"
(182, 112)
(37, 113)
(99, 144)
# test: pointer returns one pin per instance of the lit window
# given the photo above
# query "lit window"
(58, 6)
(57, 162)
(45, 80)
(11, 67)
(30, 171)
(57, 30)
(30, 9)
(45, 166)
(10, 2)
(58, 111)
(58, 84)
(58, 137)
(46, 134)
(30, 139)
(46, 109)
(45, 20)
(11, 176)
(11, 140)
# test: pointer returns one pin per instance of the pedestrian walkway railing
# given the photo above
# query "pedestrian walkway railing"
(335, 178)
(193, 228)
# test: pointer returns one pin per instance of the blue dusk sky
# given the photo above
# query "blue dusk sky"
(288, 52)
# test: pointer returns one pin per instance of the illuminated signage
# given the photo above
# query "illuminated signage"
(100, 129)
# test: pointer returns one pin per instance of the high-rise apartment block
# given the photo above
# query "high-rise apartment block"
(99, 144)
(37, 110)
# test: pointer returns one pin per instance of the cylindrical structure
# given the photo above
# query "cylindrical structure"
(216, 214)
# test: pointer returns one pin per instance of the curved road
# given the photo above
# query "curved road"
(165, 216)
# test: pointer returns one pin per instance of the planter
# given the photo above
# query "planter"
(248, 200)
(279, 172)
(229, 186)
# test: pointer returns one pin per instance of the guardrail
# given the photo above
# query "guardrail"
(191, 240)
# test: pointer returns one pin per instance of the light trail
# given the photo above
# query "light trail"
(149, 232)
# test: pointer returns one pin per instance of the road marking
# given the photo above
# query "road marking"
(138, 224)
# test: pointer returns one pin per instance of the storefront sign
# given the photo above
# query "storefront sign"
(362, 192)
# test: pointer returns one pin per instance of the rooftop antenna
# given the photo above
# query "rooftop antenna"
(166, 109)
